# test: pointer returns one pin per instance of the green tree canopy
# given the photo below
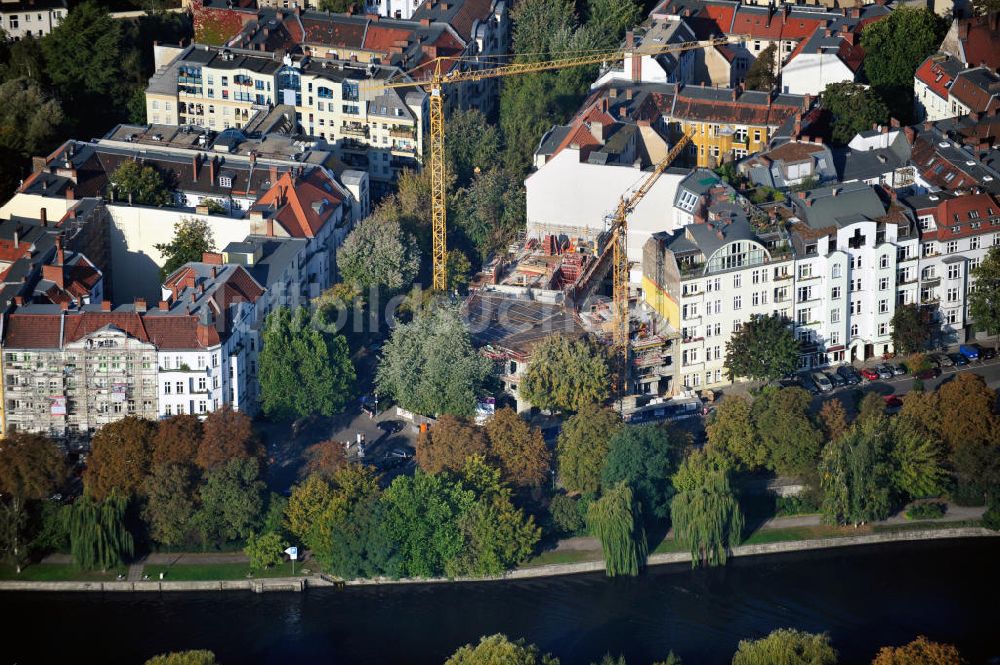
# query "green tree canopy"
(764, 349)
(423, 513)
(232, 501)
(29, 118)
(429, 366)
(192, 236)
(497, 535)
(143, 185)
(498, 650)
(265, 550)
(894, 48)
(644, 457)
(984, 296)
(918, 461)
(910, 329)
(616, 520)
(98, 536)
(303, 371)
(856, 475)
(379, 254)
(471, 144)
(786, 430)
(854, 108)
(705, 514)
(761, 75)
(170, 503)
(566, 374)
(582, 447)
(788, 647)
(83, 55)
(833, 416)
(490, 210)
(731, 433)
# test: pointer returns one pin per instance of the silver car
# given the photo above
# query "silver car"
(822, 381)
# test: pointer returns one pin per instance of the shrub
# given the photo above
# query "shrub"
(931, 510)
(968, 494)
(795, 505)
(566, 516)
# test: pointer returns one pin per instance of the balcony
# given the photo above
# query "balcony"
(355, 130)
(403, 132)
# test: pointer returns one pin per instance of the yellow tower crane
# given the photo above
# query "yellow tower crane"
(439, 78)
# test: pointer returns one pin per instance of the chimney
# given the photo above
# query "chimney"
(798, 126)
(17, 238)
(215, 271)
(140, 305)
(43, 216)
(105, 305)
(828, 32)
(164, 305)
(195, 163)
(19, 300)
(893, 122)
(274, 174)
(629, 92)
(736, 92)
(64, 305)
(425, 22)
(809, 203)
(53, 274)
(70, 194)
(622, 112)
(629, 40)
(194, 296)
(211, 171)
(60, 255)
(214, 258)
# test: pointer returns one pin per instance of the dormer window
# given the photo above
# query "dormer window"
(225, 181)
(973, 214)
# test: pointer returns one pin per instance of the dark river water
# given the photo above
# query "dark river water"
(864, 597)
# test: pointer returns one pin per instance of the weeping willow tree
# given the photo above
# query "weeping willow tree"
(97, 532)
(615, 520)
(705, 513)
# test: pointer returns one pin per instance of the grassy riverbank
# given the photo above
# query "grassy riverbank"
(234, 571)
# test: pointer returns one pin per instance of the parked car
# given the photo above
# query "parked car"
(987, 354)
(822, 381)
(806, 381)
(869, 374)
(929, 373)
(958, 360)
(899, 369)
(402, 453)
(884, 371)
(836, 379)
(969, 351)
(850, 375)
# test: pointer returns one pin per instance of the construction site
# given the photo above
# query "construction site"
(557, 285)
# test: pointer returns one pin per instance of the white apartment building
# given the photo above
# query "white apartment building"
(380, 130)
(848, 247)
(34, 18)
(956, 234)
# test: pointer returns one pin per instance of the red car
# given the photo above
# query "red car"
(929, 373)
(892, 401)
(869, 374)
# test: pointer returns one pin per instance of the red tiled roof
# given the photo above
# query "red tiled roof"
(852, 55)
(980, 44)
(773, 25)
(963, 212)
(382, 37)
(348, 34)
(971, 95)
(931, 74)
(41, 331)
(731, 112)
(294, 199)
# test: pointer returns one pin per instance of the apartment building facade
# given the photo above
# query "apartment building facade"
(30, 18)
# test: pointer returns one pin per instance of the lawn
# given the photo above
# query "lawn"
(669, 546)
(209, 572)
(54, 572)
(564, 556)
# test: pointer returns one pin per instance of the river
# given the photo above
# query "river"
(865, 597)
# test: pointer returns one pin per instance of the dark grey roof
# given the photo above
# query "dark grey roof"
(839, 206)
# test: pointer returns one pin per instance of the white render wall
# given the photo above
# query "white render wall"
(928, 104)
(566, 194)
(135, 232)
(810, 73)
